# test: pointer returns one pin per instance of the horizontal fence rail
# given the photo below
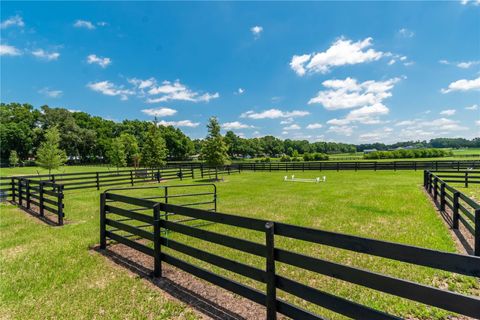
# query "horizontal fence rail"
(463, 208)
(39, 197)
(152, 241)
(339, 165)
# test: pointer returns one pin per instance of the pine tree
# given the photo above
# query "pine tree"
(49, 155)
(154, 149)
(13, 159)
(215, 150)
(116, 153)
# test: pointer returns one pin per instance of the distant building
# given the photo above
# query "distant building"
(367, 151)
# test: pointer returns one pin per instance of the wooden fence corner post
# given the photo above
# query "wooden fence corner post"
(13, 190)
(103, 237)
(157, 249)
(41, 195)
(27, 190)
(435, 188)
(270, 269)
(466, 179)
(477, 233)
(455, 217)
(60, 204)
(442, 196)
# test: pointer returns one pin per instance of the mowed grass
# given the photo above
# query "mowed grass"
(50, 272)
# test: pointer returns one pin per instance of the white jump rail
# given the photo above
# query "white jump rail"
(315, 180)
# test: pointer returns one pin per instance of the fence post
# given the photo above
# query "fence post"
(98, 181)
(27, 190)
(270, 269)
(394, 166)
(466, 179)
(131, 177)
(375, 166)
(435, 188)
(201, 170)
(455, 217)
(415, 165)
(13, 189)
(192, 171)
(477, 233)
(41, 198)
(181, 173)
(442, 196)
(60, 204)
(425, 179)
(20, 193)
(157, 249)
(103, 226)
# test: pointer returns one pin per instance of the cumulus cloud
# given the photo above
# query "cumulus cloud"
(239, 91)
(235, 125)
(292, 127)
(84, 24)
(50, 93)
(101, 61)
(274, 114)
(463, 85)
(110, 89)
(448, 112)
(435, 125)
(181, 123)
(461, 64)
(348, 93)
(177, 91)
(342, 52)
(14, 21)
(256, 31)
(7, 50)
(159, 112)
(45, 55)
(472, 107)
(314, 126)
(474, 2)
(166, 91)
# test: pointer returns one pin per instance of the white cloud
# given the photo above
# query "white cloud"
(477, 122)
(435, 126)
(12, 21)
(463, 85)
(474, 2)
(405, 123)
(7, 50)
(159, 112)
(235, 125)
(240, 91)
(102, 24)
(342, 52)
(256, 31)
(177, 91)
(461, 64)
(342, 130)
(287, 121)
(365, 115)
(472, 108)
(101, 61)
(292, 127)
(181, 123)
(110, 89)
(42, 54)
(448, 112)
(142, 84)
(406, 33)
(348, 93)
(74, 110)
(314, 126)
(84, 24)
(274, 114)
(50, 93)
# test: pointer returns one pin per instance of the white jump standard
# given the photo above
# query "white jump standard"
(316, 180)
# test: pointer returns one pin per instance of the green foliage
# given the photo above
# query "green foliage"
(215, 150)
(315, 156)
(410, 153)
(154, 149)
(116, 154)
(13, 159)
(131, 149)
(49, 155)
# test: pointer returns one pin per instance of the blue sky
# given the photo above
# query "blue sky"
(350, 72)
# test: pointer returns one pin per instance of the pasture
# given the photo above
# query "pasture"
(52, 272)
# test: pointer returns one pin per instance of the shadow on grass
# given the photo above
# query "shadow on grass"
(179, 292)
(49, 219)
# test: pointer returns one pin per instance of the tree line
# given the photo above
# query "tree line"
(91, 139)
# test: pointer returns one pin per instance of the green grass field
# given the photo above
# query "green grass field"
(50, 272)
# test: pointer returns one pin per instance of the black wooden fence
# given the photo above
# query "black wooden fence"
(338, 165)
(153, 242)
(39, 197)
(463, 208)
(206, 171)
